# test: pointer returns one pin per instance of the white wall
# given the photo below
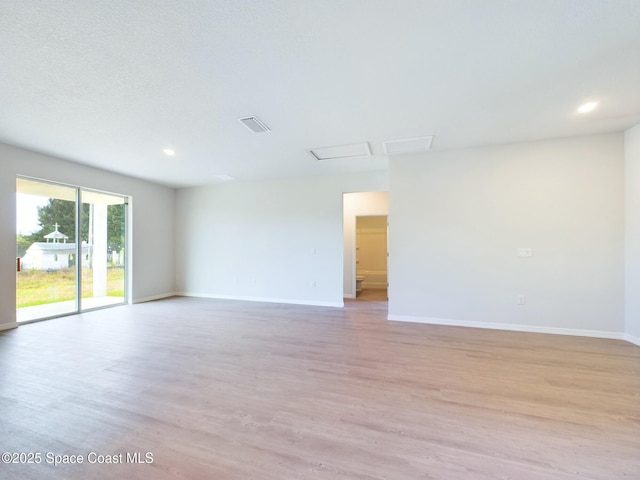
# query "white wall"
(632, 240)
(456, 219)
(277, 240)
(358, 204)
(152, 220)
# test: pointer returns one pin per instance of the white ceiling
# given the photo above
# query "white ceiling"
(111, 83)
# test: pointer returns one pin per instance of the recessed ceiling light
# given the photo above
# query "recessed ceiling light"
(587, 107)
(169, 152)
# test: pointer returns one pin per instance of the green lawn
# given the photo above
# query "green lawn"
(35, 287)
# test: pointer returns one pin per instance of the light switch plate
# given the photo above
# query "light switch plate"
(524, 252)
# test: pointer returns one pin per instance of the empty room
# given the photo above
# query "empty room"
(350, 240)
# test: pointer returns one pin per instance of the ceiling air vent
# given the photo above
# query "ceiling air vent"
(341, 151)
(254, 124)
(407, 145)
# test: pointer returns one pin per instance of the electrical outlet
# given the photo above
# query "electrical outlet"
(521, 299)
(524, 252)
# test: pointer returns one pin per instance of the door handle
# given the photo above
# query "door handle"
(18, 264)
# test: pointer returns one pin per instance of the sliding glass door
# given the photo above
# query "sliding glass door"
(46, 250)
(70, 249)
(103, 252)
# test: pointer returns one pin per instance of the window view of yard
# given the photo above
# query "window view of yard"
(59, 227)
(39, 287)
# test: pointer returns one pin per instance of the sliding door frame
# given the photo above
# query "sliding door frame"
(127, 200)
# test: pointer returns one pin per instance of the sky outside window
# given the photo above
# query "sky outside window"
(27, 212)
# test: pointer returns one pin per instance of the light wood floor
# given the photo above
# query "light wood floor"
(372, 295)
(230, 390)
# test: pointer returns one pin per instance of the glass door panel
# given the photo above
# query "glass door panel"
(103, 220)
(46, 283)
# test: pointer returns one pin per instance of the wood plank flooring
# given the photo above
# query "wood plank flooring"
(231, 390)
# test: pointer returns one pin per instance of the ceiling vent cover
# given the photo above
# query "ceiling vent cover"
(407, 145)
(254, 124)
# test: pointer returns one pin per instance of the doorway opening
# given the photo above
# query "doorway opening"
(365, 235)
(70, 249)
(371, 258)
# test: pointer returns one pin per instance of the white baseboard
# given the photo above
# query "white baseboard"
(349, 295)
(8, 326)
(313, 303)
(632, 339)
(508, 326)
(154, 297)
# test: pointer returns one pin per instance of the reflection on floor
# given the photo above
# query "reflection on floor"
(370, 302)
(48, 310)
(373, 295)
